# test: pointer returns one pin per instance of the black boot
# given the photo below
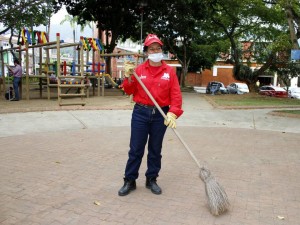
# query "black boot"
(128, 186)
(152, 185)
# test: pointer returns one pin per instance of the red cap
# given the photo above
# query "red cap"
(151, 38)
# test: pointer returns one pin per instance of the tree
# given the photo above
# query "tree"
(118, 19)
(292, 10)
(180, 25)
(181, 32)
(16, 14)
(249, 21)
(287, 70)
(283, 66)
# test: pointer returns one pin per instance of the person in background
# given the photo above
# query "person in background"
(147, 124)
(257, 83)
(17, 74)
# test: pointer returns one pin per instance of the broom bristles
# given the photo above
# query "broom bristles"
(217, 198)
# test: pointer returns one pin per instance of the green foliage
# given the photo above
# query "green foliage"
(16, 14)
(292, 11)
(118, 19)
(204, 56)
(251, 21)
(180, 25)
(289, 111)
(287, 70)
(196, 31)
(252, 100)
(73, 20)
(244, 73)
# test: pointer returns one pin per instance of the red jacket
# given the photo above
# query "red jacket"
(163, 86)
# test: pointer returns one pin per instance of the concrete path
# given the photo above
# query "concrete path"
(65, 167)
(197, 112)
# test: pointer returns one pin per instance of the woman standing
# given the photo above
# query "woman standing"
(147, 124)
(17, 73)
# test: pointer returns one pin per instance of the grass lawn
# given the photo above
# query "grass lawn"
(251, 100)
(254, 100)
(295, 112)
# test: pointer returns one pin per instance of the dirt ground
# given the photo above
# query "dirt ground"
(38, 100)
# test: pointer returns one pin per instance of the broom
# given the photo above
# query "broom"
(217, 198)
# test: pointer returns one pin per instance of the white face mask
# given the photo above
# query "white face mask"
(156, 57)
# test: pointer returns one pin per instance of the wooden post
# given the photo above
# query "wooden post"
(78, 58)
(3, 73)
(103, 79)
(47, 74)
(27, 71)
(81, 69)
(98, 79)
(40, 72)
(87, 56)
(87, 63)
(58, 68)
(21, 82)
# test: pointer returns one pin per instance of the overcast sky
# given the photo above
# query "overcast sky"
(59, 16)
(65, 30)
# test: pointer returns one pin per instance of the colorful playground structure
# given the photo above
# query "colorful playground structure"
(60, 74)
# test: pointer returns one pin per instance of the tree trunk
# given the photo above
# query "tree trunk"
(108, 59)
(293, 35)
(11, 44)
(266, 65)
(184, 68)
(3, 31)
(49, 26)
(10, 38)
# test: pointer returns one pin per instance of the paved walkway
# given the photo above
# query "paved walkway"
(65, 167)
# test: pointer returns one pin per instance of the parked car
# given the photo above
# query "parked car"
(237, 88)
(273, 91)
(215, 87)
(294, 92)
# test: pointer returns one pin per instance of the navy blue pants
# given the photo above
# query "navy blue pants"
(146, 125)
(16, 83)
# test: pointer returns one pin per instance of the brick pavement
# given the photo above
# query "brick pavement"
(55, 177)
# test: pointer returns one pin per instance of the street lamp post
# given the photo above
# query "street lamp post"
(142, 4)
(141, 31)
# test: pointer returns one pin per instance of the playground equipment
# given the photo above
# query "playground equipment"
(66, 80)
(60, 74)
(27, 36)
(37, 39)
